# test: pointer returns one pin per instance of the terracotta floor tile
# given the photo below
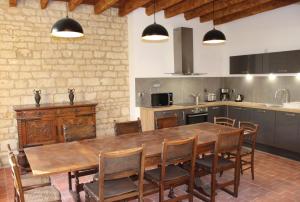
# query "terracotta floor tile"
(276, 179)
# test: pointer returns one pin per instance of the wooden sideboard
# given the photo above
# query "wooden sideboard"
(44, 124)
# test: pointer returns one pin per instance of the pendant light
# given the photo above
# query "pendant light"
(155, 32)
(67, 28)
(214, 36)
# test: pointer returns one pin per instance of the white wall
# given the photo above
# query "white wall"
(276, 30)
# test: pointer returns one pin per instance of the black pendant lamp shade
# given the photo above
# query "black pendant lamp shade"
(214, 36)
(155, 32)
(67, 28)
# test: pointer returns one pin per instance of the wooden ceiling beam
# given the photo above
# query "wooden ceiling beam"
(255, 10)
(184, 6)
(160, 5)
(233, 9)
(73, 4)
(44, 3)
(208, 8)
(12, 3)
(130, 5)
(102, 5)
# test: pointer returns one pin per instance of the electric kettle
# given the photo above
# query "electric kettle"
(239, 98)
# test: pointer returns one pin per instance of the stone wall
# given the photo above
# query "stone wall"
(96, 66)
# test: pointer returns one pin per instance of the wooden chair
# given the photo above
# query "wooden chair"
(122, 128)
(28, 180)
(115, 169)
(250, 133)
(30, 194)
(169, 174)
(77, 132)
(216, 163)
(224, 121)
(166, 122)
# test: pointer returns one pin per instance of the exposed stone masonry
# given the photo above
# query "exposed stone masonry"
(96, 66)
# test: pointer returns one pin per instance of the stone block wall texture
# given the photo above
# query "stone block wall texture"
(96, 66)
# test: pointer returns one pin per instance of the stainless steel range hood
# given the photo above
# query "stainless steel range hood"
(183, 52)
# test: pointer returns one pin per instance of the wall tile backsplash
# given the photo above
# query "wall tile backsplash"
(259, 89)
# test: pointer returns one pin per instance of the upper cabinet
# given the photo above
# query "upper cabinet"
(277, 62)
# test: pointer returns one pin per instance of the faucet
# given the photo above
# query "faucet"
(282, 92)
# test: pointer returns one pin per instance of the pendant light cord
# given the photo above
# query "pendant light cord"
(67, 9)
(213, 13)
(154, 11)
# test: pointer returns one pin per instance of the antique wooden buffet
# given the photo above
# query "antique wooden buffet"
(44, 124)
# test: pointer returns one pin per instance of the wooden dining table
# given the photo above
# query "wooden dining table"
(80, 155)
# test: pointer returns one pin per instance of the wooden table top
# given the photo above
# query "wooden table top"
(78, 155)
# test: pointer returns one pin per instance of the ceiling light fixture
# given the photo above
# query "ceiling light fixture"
(155, 32)
(67, 28)
(214, 36)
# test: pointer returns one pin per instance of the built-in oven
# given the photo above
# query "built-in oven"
(196, 115)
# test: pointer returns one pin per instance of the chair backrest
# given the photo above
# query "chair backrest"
(229, 142)
(77, 132)
(224, 121)
(15, 171)
(166, 122)
(122, 128)
(121, 164)
(250, 130)
(179, 151)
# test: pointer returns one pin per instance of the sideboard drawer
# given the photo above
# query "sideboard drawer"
(36, 114)
(75, 111)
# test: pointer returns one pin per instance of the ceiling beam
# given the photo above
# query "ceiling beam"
(12, 3)
(160, 5)
(102, 5)
(184, 6)
(233, 9)
(255, 10)
(44, 3)
(130, 5)
(73, 4)
(208, 8)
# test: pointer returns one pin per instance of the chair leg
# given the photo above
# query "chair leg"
(161, 192)
(77, 185)
(237, 177)
(70, 180)
(252, 167)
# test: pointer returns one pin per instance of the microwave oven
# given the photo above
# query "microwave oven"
(161, 99)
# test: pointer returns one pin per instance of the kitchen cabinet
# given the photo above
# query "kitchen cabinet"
(287, 134)
(239, 114)
(266, 121)
(216, 111)
(168, 113)
(276, 62)
(246, 64)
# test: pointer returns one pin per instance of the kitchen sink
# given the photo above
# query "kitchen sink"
(292, 105)
(271, 105)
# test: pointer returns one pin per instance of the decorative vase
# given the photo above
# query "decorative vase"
(71, 95)
(37, 97)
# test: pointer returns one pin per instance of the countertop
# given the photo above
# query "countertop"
(254, 105)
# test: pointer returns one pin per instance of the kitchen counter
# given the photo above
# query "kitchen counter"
(254, 105)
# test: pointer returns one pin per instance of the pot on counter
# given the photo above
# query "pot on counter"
(211, 97)
(239, 98)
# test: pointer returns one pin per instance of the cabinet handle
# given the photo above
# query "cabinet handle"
(262, 111)
(282, 70)
(290, 114)
(183, 114)
(215, 107)
(239, 108)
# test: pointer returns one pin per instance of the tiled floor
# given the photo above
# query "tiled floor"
(276, 179)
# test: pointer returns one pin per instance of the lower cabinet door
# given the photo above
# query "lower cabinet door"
(40, 131)
(217, 111)
(287, 134)
(266, 121)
